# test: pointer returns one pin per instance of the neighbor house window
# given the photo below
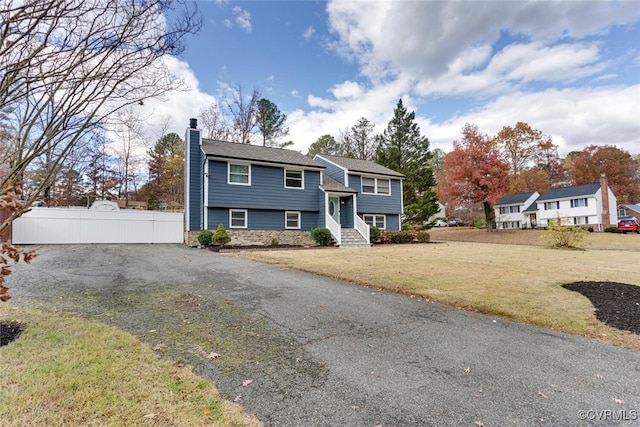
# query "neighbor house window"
(503, 210)
(581, 220)
(237, 218)
(239, 174)
(293, 179)
(577, 203)
(375, 221)
(514, 209)
(551, 205)
(376, 185)
(292, 220)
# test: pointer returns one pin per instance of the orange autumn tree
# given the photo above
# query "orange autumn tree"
(620, 168)
(474, 173)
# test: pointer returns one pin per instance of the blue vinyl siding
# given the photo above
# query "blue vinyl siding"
(261, 219)
(332, 170)
(196, 158)
(266, 191)
(378, 203)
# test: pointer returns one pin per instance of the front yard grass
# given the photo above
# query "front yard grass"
(519, 281)
(65, 369)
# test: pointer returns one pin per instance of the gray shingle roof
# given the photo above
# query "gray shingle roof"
(514, 199)
(330, 184)
(235, 151)
(533, 207)
(361, 166)
(635, 208)
(569, 192)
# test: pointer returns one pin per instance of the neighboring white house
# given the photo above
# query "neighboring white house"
(513, 210)
(586, 205)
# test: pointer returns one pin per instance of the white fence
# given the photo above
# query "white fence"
(66, 226)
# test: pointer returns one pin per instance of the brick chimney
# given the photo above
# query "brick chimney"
(604, 189)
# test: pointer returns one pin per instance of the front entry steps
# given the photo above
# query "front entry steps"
(352, 239)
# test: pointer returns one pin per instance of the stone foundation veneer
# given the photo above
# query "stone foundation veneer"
(259, 237)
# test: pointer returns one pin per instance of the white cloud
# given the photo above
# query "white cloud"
(574, 117)
(243, 18)
(308, 33)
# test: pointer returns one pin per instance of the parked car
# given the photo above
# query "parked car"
(456, 222)
(440, 223)
(630, 224)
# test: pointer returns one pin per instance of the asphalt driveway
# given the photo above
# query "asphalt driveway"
(300, 350)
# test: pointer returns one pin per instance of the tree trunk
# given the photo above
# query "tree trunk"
(489, 215)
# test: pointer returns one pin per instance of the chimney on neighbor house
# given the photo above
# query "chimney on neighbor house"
(193, 123)
(604, 189)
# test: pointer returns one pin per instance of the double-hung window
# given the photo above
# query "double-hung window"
(375, 221)
(237, 218)
(551, 205)
(376, 185)
(239, 174)
(577, 203)
(292, 220)
(293, 178)
(368, 185)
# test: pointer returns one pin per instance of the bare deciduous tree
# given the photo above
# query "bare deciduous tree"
(67, 65)
(243, 113)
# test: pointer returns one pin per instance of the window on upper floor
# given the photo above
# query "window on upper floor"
(375, 221)
(237, 218)
(376, 185)
(514, 209)
(368, 185)
(292, 220)
(577, 203)
(293, 178)
(551, 205)
(383, 186)
(239, 174)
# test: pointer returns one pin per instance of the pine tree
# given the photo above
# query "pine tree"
(402, 149)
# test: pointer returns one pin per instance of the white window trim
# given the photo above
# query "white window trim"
(229, 164)
(286, 224)
(375, 185)
(384, 220)
(246, 218)
(293, 170)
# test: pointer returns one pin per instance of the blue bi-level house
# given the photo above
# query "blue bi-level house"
(262, 194)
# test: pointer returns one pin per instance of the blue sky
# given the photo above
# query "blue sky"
(569, 69)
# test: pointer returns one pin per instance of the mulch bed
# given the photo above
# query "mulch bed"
(9, 332)
(617, 304)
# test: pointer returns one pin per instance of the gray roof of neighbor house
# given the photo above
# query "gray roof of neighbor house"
(257, 153)
(514, 199)
(330, 184)
(361, 166)
(569, 192)
(635, 208)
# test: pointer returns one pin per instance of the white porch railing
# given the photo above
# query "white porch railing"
(334, 228)
(362, 227)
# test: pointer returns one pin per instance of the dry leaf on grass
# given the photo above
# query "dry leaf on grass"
(539, 393)
(213, 355)
(238, 398)
(245, 383)
(150, 416)
(467, 370)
